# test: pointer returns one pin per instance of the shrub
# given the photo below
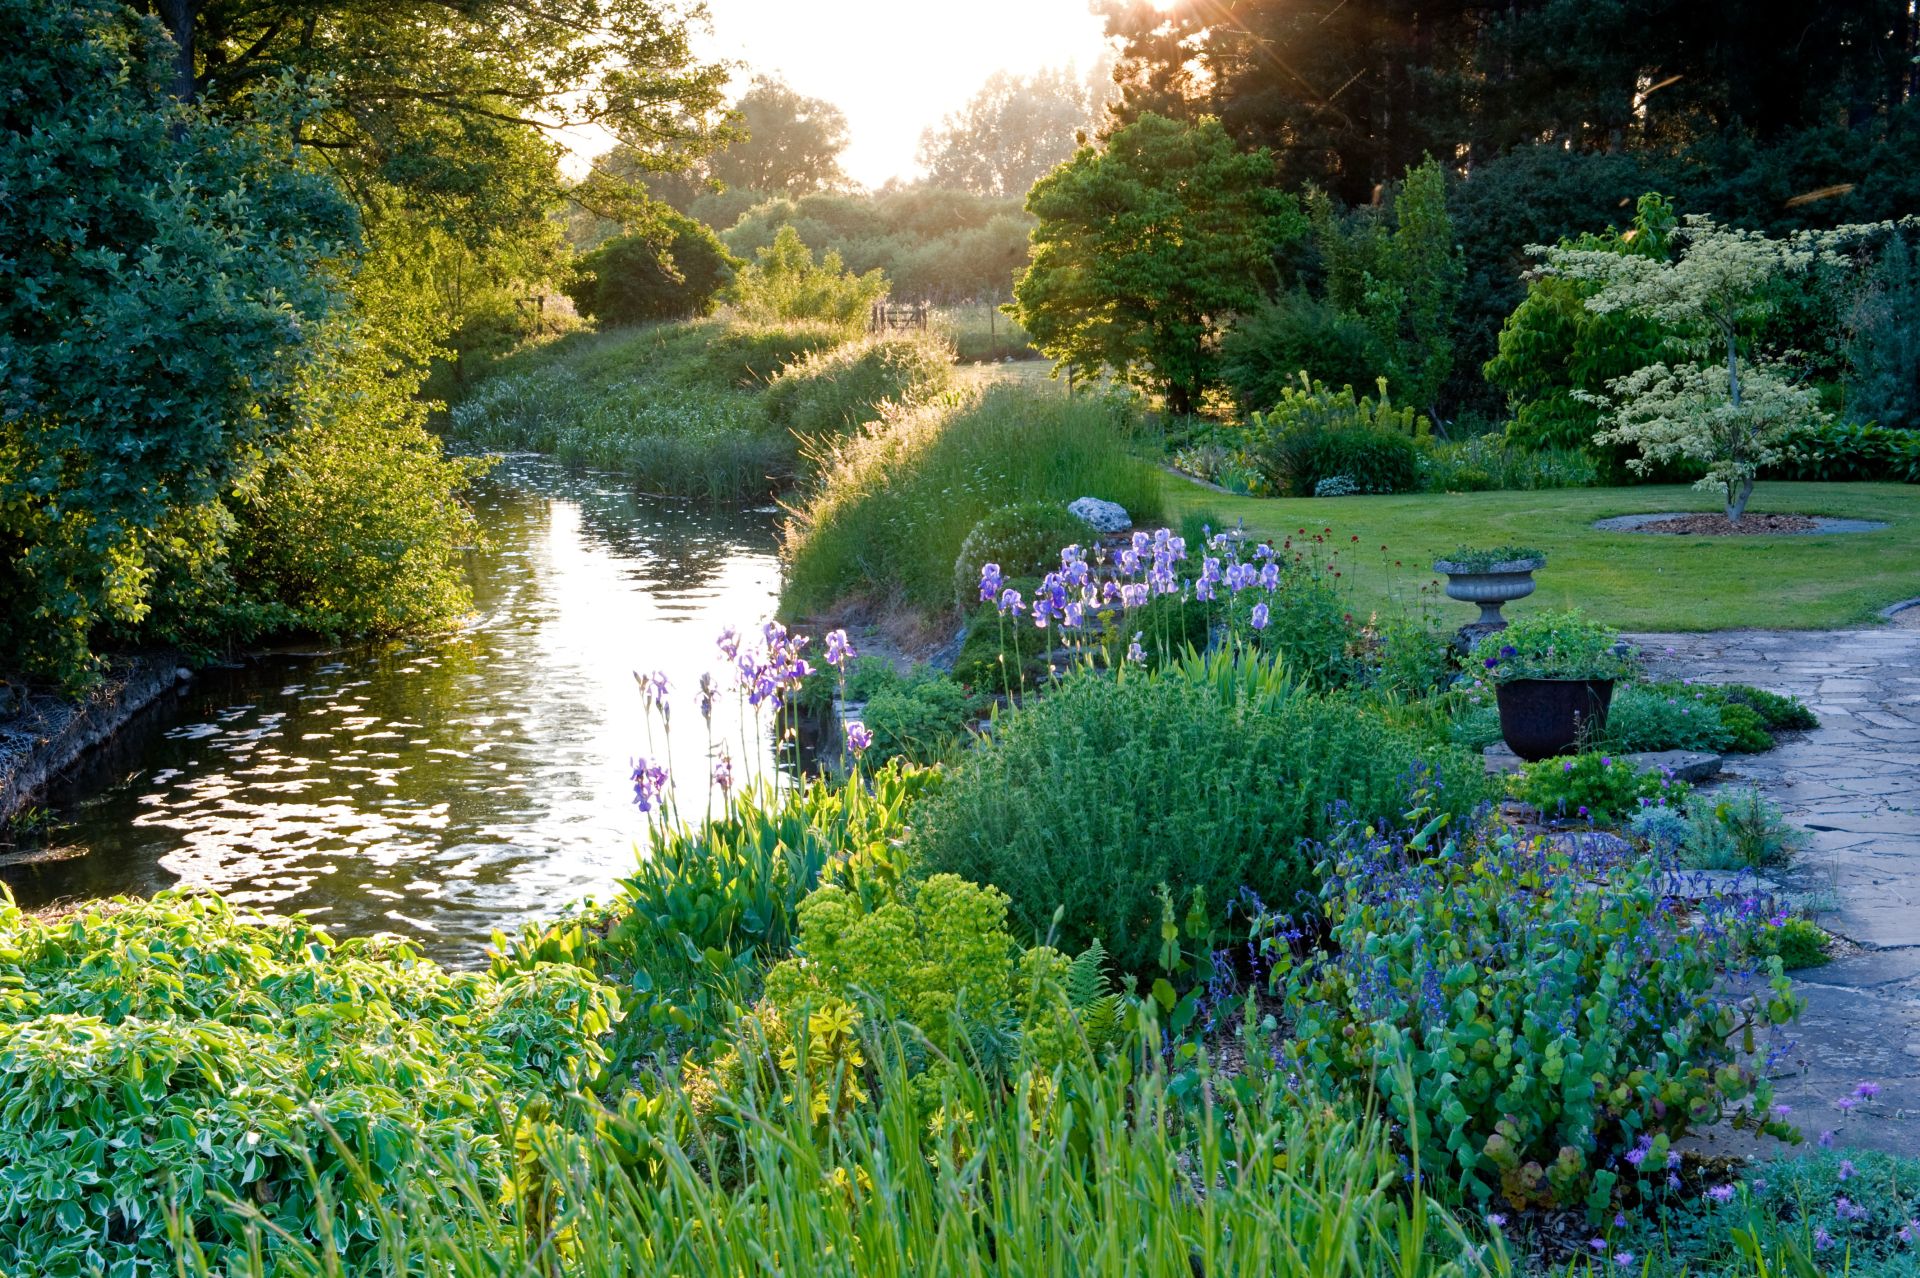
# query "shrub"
(707, 908)
(894, 503)
(833, 390)
(1486, 463)
(1836, 450)
(1091, 798)
(1737, 829)
(1313, 433)
(1797, 942)
(783, 283)
(1593, 787)
(1746, 730)
(674, 271)
(921, 717)
(1025, 539)
(1665, 716)
(175, 1055)
(1552, 645)
(1267, 350)
(1544, 1025)
(1778, 712)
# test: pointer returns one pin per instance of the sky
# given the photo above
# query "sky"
(897, 66)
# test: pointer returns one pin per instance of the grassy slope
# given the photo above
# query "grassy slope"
(1635, 581)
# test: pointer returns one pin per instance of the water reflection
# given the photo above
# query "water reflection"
(447, 788)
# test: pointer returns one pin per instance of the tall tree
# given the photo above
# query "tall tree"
(163, 279)
(1015, 130)
(1145, 248)
(787, 143)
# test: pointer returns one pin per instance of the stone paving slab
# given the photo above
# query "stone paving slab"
(1855, 783)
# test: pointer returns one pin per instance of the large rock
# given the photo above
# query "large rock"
(1104, 516)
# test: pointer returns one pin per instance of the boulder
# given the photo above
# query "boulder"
(1102, 516)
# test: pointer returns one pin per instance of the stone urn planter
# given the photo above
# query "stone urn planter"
(1541, 718)
(1489, 584)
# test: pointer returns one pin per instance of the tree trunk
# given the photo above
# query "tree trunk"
(1739, 491)
(178, 15)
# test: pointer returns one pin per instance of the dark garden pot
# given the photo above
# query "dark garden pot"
(1540, 718)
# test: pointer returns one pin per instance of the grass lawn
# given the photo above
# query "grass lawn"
(1632, 580)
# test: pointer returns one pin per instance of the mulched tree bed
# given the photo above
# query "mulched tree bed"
(1721, 526)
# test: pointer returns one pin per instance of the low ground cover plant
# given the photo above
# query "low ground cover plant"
(276, 1090)
(1544, 1039)
(1594, 787)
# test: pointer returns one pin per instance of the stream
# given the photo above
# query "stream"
(445, 788)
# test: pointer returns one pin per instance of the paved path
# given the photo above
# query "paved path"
(1855, 783)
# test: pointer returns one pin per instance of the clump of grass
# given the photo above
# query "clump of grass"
(690, 408)
(894, 503)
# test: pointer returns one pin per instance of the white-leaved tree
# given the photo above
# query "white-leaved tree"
(1723, 405)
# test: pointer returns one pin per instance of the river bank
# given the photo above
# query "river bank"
(46, 733)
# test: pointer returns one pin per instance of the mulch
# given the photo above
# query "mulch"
(1721, 526)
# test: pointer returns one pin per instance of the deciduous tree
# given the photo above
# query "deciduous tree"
(1145, 248)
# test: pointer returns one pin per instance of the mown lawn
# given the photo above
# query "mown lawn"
(1634, 581)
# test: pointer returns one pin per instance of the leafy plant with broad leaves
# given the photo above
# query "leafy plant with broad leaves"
(1553, 645)
(174, 1060)
(1541, 1020)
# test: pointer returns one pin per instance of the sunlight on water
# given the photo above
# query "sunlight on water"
(446, 788)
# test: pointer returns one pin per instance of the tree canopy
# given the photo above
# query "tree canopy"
(1013, 131)
(1144, 249)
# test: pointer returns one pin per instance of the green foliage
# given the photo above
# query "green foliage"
(1839, 450)
(1313, 433)
(1142, 246)
(783, 284)
(921, 717)
(837, 389)
(164, 279)
(1267, 350)
(1490, 463)
(1746, 730)
(895, 503)
(709, 907)
(1409, 658)
(1487, 558)
(1593, 787)
(1737, 828)
(1665, 716)
(175, 1056)
(1778, 712)
(1554, 350)
(1528, 1028)
(1552, 644)
(1078, 1162)
(1883, 342)
(1106, 789)
(785, 142)
(1024, 539)
(1013, 130)
(1396, 270)
(1798, 943)
(675, 406)
(932, 245)
(674, 270)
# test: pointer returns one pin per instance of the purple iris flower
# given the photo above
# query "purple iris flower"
(858, 738)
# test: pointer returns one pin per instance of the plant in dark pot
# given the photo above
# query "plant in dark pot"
(1553, 674)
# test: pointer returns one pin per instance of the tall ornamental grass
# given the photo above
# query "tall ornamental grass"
(895, 502)
(1096, 1174)
(709, 409)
